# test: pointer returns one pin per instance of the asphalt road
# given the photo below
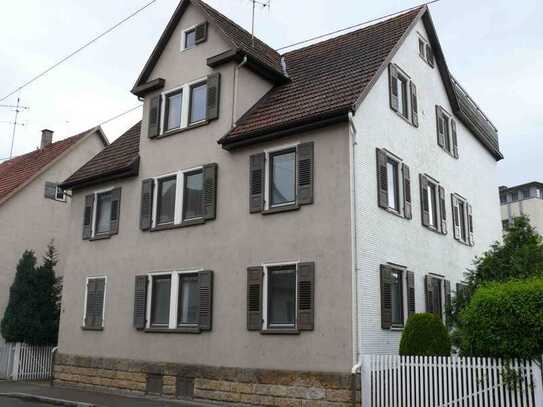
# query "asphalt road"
(9, 402)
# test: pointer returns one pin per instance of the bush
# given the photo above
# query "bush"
(504, 320)
(425, 335)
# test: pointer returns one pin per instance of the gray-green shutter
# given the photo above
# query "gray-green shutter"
(414, 105)
(429, 294)
(50, 190)
(386, 296)
(411, 299)
(393, 87)
(256, 182)
(205, 279)
(200, 33)
(99, 301)
(304, 155)
(447, 291)
(140, 302)
(382, 179)
(429, 55)
(213, 96)
(407, 205)
(425, 210)
(90, 311)
(454, 138)
(146, 209)
(442, 210)
(440, 127)
(87, 216)
(306, 296)
(254, 298)
(115, 210)
(456, 216)
(210, 191)
(471, 240)
(154, 117)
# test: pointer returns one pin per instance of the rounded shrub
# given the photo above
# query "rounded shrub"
(504, 320)
(425, 335)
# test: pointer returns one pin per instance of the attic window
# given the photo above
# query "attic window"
(425, 51)
(193, 36)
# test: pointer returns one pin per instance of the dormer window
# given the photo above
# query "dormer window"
(193, 36)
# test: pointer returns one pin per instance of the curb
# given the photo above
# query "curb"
(42, 399)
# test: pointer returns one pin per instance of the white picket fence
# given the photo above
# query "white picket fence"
(19, 361)
(404, 381)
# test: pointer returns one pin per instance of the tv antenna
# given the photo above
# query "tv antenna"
(18, 109)
(263, 4)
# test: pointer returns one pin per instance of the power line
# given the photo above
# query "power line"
(119, 115)
(78, 50)
(318, 37)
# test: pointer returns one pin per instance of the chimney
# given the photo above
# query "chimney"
(46, 137)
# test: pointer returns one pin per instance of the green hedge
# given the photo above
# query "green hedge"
(504, 320)
(425, 335)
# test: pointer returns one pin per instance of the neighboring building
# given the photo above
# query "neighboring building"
(525, 199)
(33, 208)
(257, 270)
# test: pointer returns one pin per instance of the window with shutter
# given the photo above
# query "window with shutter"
(403, 95)
(435, 294)
(102, 214)
(393, 184)
(463, 220)
(87, 216)
(94, 303)
(446, 132)
(442, 210)
(255, 277)
(193, 36)
(433, 204)
(407, 206)
(392, 296)
(411, 299)
(54, 192)
(154, 117)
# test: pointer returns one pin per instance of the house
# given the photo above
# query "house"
(525, 199)
(273, 217)
(33, 208)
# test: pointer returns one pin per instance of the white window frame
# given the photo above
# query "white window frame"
(185, 106)
(424, 57)
(184, 36)
(174, 297)
(401, 183)
(266, 267)
(447, 128)
(402, 76)
(436, 207)
(267, 175)
(57, 189)
(179, 192)
(86, 294)
(95, 210)
(405, 313)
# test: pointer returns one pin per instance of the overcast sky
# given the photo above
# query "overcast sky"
(493, 47)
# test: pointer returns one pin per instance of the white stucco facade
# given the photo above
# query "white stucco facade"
(522, 200)
(384, 237)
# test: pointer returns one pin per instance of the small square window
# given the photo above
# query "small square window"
(172, 112)
(198, 102)
(189, 300)
(166, 200)
(283, 178)
(192, 195)
(160, 303)
(190, 38)
(282, 296)
(103, 213)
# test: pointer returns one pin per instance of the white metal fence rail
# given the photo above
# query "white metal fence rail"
(400, 381)
(19, 361)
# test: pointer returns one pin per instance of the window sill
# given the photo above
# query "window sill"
(449, 153)
(406, 119)
(184, 224)
(394, 212)
(102, 236)
(183, 330)
(88, 328)
(434, 229)
(462, 242)
(280, 331)
(182, 130)
(278, 209)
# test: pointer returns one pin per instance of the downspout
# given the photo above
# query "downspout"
(235, 92)
(354, 253)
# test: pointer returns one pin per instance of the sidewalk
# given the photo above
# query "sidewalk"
(84, 396)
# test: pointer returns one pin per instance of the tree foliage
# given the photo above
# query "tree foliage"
(425, 335)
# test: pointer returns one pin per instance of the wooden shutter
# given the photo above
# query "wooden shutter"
(50, 190)
(140, 302)
(90, 310)
(447, 291)
(393, 87)
(442, 210)
(456, 216)
(306, 296)
(429, 294)
(469, 210)
(200, 33)
(386, 297)
(146, 210)
(304, 156)
(414, 105)
(115, 210)
(213, 96)
(99, 302)
(454, 138)
(407, 206)
(425, 209)
(254, 298)
(382, 180)
(256, 182)
(429, 55)
(87, 216)
(154, 117)
(440, 127)
(210, 191)
(411, 299)
(205, 279)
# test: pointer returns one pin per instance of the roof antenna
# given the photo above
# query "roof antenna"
(17, 108)
(263, 4)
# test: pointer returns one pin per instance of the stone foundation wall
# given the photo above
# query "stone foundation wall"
(232, 386)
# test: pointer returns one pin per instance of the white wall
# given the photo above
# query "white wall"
(384, 237)
(533, 208)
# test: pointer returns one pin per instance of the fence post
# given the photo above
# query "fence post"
(16, 360)
(365, 378)
(538, 382)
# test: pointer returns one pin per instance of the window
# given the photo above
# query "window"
(176, 301)
(526, 193)
(463, 220)
(93, 318)
(503, 198)
(190, 38)
(397, 295)
(184, 198)
(438, 295)
(505, 224)
(60, 194)
(101, 214)
(446, 132)
(425, 51)
(198, 102)
(54, 191)
(193, 36)
(281, 180)
(515, 196)
(394, 184)
(403, 95)
(434, 214)
(280, 297)
(172, 113)
(422, 49)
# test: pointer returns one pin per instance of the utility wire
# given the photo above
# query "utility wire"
(119, 115)
(78, 50)
(318, 37)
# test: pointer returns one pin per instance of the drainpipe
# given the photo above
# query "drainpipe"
(235, 92)
(354, 260)
(52, 372)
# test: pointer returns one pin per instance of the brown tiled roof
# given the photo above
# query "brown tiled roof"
(18, 171)
(119, 159)
(327, 78)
